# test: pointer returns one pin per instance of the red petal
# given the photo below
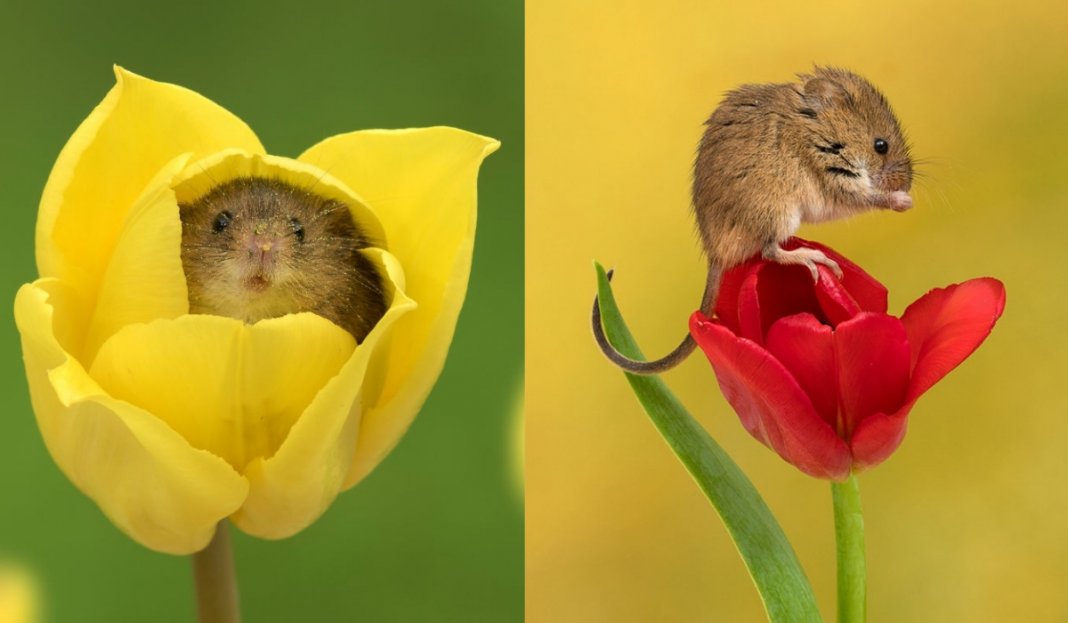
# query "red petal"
(750, 325)
(873, 367)
(730, 287)
(944, 327)
(806, 347)
(770, 403)
(948, 324)
(767, 292)
(863, 289)
(876, 438)
(837, 304)
(786, 290)
(756, 294)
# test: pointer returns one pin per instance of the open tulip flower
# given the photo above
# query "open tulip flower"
(819, 372)
(172, 422)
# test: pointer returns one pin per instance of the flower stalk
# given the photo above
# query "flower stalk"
(215, 580)
(849, 540)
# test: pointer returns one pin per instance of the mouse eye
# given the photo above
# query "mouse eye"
(222, 221)
(881, 146)
(298, 229)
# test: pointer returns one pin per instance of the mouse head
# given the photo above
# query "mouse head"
(255, 243)
(853, 140)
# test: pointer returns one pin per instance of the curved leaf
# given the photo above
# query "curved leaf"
(772, 563)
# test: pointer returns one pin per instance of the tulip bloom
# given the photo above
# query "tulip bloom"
(172, 422)
(819, 372)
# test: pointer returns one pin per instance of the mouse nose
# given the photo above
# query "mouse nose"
(262, 247)
(264, 240)
(895, 180)
(263, 243)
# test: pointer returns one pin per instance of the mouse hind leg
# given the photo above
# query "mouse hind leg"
(809, 258)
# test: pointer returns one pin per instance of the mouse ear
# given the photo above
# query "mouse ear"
(821, 92)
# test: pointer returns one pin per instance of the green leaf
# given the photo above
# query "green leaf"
(772, 563)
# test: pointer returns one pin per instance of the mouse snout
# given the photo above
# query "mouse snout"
(263, 246)
(259, 244)
(895, 177)
(893, 186)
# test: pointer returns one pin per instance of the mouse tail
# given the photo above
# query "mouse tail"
(672, 359)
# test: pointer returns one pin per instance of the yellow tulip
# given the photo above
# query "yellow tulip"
(172, 422)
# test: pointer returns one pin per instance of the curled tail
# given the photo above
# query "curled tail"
(672, 359)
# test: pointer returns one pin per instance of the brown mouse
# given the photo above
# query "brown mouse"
(774, 156)
(255, 248)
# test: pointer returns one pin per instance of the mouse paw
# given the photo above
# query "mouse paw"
(900, 201)
(810, 258)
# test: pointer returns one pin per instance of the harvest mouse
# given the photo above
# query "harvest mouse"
(774, 156)
(255, 248)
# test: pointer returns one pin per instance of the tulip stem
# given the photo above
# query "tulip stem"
(849, 537)
(216, 583)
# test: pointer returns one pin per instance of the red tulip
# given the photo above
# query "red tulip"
(819, 372)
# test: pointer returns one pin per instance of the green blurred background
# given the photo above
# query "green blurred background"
(966, 522)
(436, 532)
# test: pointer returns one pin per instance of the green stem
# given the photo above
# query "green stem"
(849, 537)
(216, 583)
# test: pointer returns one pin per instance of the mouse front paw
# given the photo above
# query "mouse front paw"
(810, 258)
(899, 201)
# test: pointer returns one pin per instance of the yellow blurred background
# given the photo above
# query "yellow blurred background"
(18, 594)
(967, 521)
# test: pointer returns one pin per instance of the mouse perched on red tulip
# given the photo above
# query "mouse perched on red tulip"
(774, 156)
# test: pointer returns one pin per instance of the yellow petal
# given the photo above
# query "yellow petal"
(294, 487)
(144, 279)
(145, 477)
(227, 387)
(422, 184)
(139, 127)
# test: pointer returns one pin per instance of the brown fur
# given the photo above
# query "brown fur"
(229, 274)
